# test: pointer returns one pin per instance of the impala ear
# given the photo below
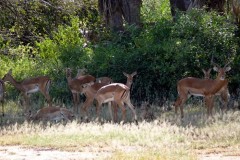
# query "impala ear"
(125, 74)
(203, 71)
(215, 68)
(227, 69)
(209, 70)
(134, 73)
(10, 71)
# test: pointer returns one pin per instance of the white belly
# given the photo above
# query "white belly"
(108, 100)
(33, 90)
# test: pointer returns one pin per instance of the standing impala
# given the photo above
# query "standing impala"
(201, 87)
(117, 93)
(31, 85)
(223, 93)
(2, 95)
(75, 85)
(91, 90)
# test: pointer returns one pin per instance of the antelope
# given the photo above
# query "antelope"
(51, 114)
(201, 87)
(90, 90)
(223, 93)
(2, 95)
(105, 80)
(75, 85)
(30, 85)
(117, 93)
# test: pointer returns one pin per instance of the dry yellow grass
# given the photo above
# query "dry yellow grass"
(166, 137)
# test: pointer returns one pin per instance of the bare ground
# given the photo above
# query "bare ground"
(27, 153)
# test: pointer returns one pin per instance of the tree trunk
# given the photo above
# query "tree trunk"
(114, 11)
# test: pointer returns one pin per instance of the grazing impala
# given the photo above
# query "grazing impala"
(31, 85)
(117, 93)
(51, 114)
(75, 85)
(201, 87)
(2, 95)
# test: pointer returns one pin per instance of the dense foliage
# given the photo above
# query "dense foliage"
(162, 51)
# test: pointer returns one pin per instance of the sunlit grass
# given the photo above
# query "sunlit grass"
(166, 137)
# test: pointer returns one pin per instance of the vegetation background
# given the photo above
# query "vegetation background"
(45, 37)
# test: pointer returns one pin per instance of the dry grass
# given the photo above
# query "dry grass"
(166, 137)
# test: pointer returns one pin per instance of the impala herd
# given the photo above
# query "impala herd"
(117, 95)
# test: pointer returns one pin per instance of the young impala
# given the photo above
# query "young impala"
(30, 85)
(75, 85)
(201, 87)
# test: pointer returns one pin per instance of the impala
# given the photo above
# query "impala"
(2, 95)
(207, 73)
(51, 114)
(201, 87)
(75, 85)
(223, 93)
(105, 80)
(90, 90)
(117, 93)
(30, 85)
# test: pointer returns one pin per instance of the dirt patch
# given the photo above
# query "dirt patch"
(219, 154)
(26, 153)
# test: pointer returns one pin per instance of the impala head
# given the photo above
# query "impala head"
(81, 71)
(129, 78)
(221, 71)
(207, 73)
(7, 76)
(68, 72)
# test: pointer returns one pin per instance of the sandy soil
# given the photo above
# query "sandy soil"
(24, 153)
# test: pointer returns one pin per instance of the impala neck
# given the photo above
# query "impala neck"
(69, 77)
(129, 84)
(218, 85)
(15, 83)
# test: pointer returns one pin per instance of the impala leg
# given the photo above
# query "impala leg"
(45, 91)
(78, 103)
(121, 105)
(133, 111)
(47, 97)
(225, 98)
(209, 104)
(98, 108)
(75, 102)
(179, 103)
(85, 106)
(110, 111)
(26, 101)
(115, 110)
